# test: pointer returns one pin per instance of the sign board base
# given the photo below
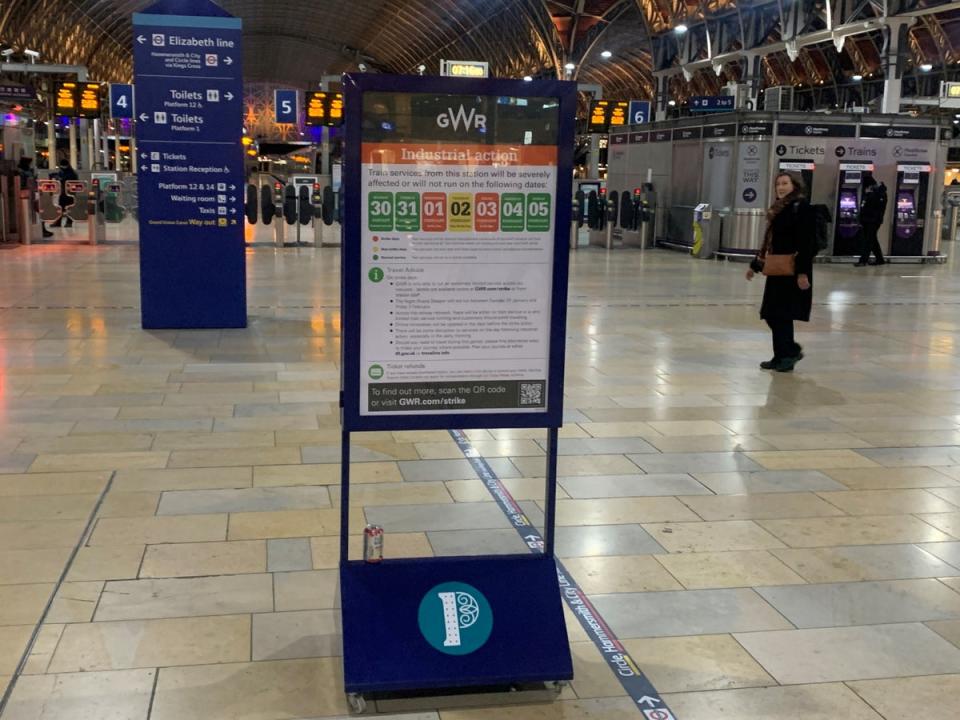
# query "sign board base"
(506, 626)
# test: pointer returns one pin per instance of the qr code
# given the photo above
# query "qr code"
(531, 393)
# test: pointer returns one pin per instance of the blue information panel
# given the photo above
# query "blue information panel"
(711, 103)
(639, 111)
(190, 162)
(121, 100)
(285, 103)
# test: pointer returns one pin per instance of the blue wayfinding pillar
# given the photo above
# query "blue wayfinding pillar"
(189, 113)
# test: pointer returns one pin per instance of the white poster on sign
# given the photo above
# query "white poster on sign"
(458, 203)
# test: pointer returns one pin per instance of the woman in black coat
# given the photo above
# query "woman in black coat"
(786, 298)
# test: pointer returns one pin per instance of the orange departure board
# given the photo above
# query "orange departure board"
(66, 99)
(324, 108)
(89, 98)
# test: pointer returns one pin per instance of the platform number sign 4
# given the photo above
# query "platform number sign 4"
(286, 106)
(121, 101)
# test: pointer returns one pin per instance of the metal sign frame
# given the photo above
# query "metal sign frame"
(387, 649)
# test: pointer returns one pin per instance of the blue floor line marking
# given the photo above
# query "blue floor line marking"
(634, 682)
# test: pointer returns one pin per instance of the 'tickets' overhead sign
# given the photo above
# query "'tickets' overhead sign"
(456, 276)
(324, 108)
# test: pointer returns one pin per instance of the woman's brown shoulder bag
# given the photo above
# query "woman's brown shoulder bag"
(779, 265)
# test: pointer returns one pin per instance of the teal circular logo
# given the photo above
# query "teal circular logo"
(455, 618)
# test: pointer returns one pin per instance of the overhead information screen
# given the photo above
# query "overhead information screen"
(89, 99)
(605, 114)
(324, 108)
(66, 99)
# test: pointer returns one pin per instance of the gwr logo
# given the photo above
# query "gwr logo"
(451, 119)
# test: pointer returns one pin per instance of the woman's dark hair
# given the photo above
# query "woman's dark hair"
(796, 178)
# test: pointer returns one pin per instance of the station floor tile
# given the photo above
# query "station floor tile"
(755, 539)
(795, 657)
(814, 702)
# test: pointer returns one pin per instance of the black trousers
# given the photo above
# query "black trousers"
(870, 243)
(784, 346)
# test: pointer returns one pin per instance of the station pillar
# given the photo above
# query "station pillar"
(72, 135)
(662, 96)
(892, 64)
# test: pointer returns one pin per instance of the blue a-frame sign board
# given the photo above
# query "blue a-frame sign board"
(432, 165)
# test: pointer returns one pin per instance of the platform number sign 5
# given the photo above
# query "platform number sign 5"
(286, 106)
(121, 101)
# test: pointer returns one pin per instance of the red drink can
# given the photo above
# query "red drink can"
(372, 544)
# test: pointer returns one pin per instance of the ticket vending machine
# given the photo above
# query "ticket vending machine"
(846, 230)
(909, 209)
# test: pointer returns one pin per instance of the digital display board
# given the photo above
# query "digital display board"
(619, 113)
(605, 114)
(66, 99)
(324, 108)
(88, 94)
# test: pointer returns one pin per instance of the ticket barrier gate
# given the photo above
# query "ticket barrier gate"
(28, 221)
(952, 203)
(279, 219)
(316, 202)
(597, 219)
(330, 212)
(48, 197)
(636, 217)
(113, 207)
(96, 231)
(250, 207)
(76, 190)
(576, 220)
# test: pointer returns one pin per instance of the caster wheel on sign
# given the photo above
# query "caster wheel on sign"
(357, 702)
(558, 685)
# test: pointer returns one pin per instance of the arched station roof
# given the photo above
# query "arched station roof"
(296, 43)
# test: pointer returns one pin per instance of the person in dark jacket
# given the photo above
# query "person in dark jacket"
(872, 208)
(65, 173)
(787, 298)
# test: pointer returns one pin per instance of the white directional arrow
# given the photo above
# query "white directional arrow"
(144, 167)
(649, 701)
(228, 95)
(233, 187)
(233, 211)
(141, 39)
(143, 155)
(228, 60)
(144, 117)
